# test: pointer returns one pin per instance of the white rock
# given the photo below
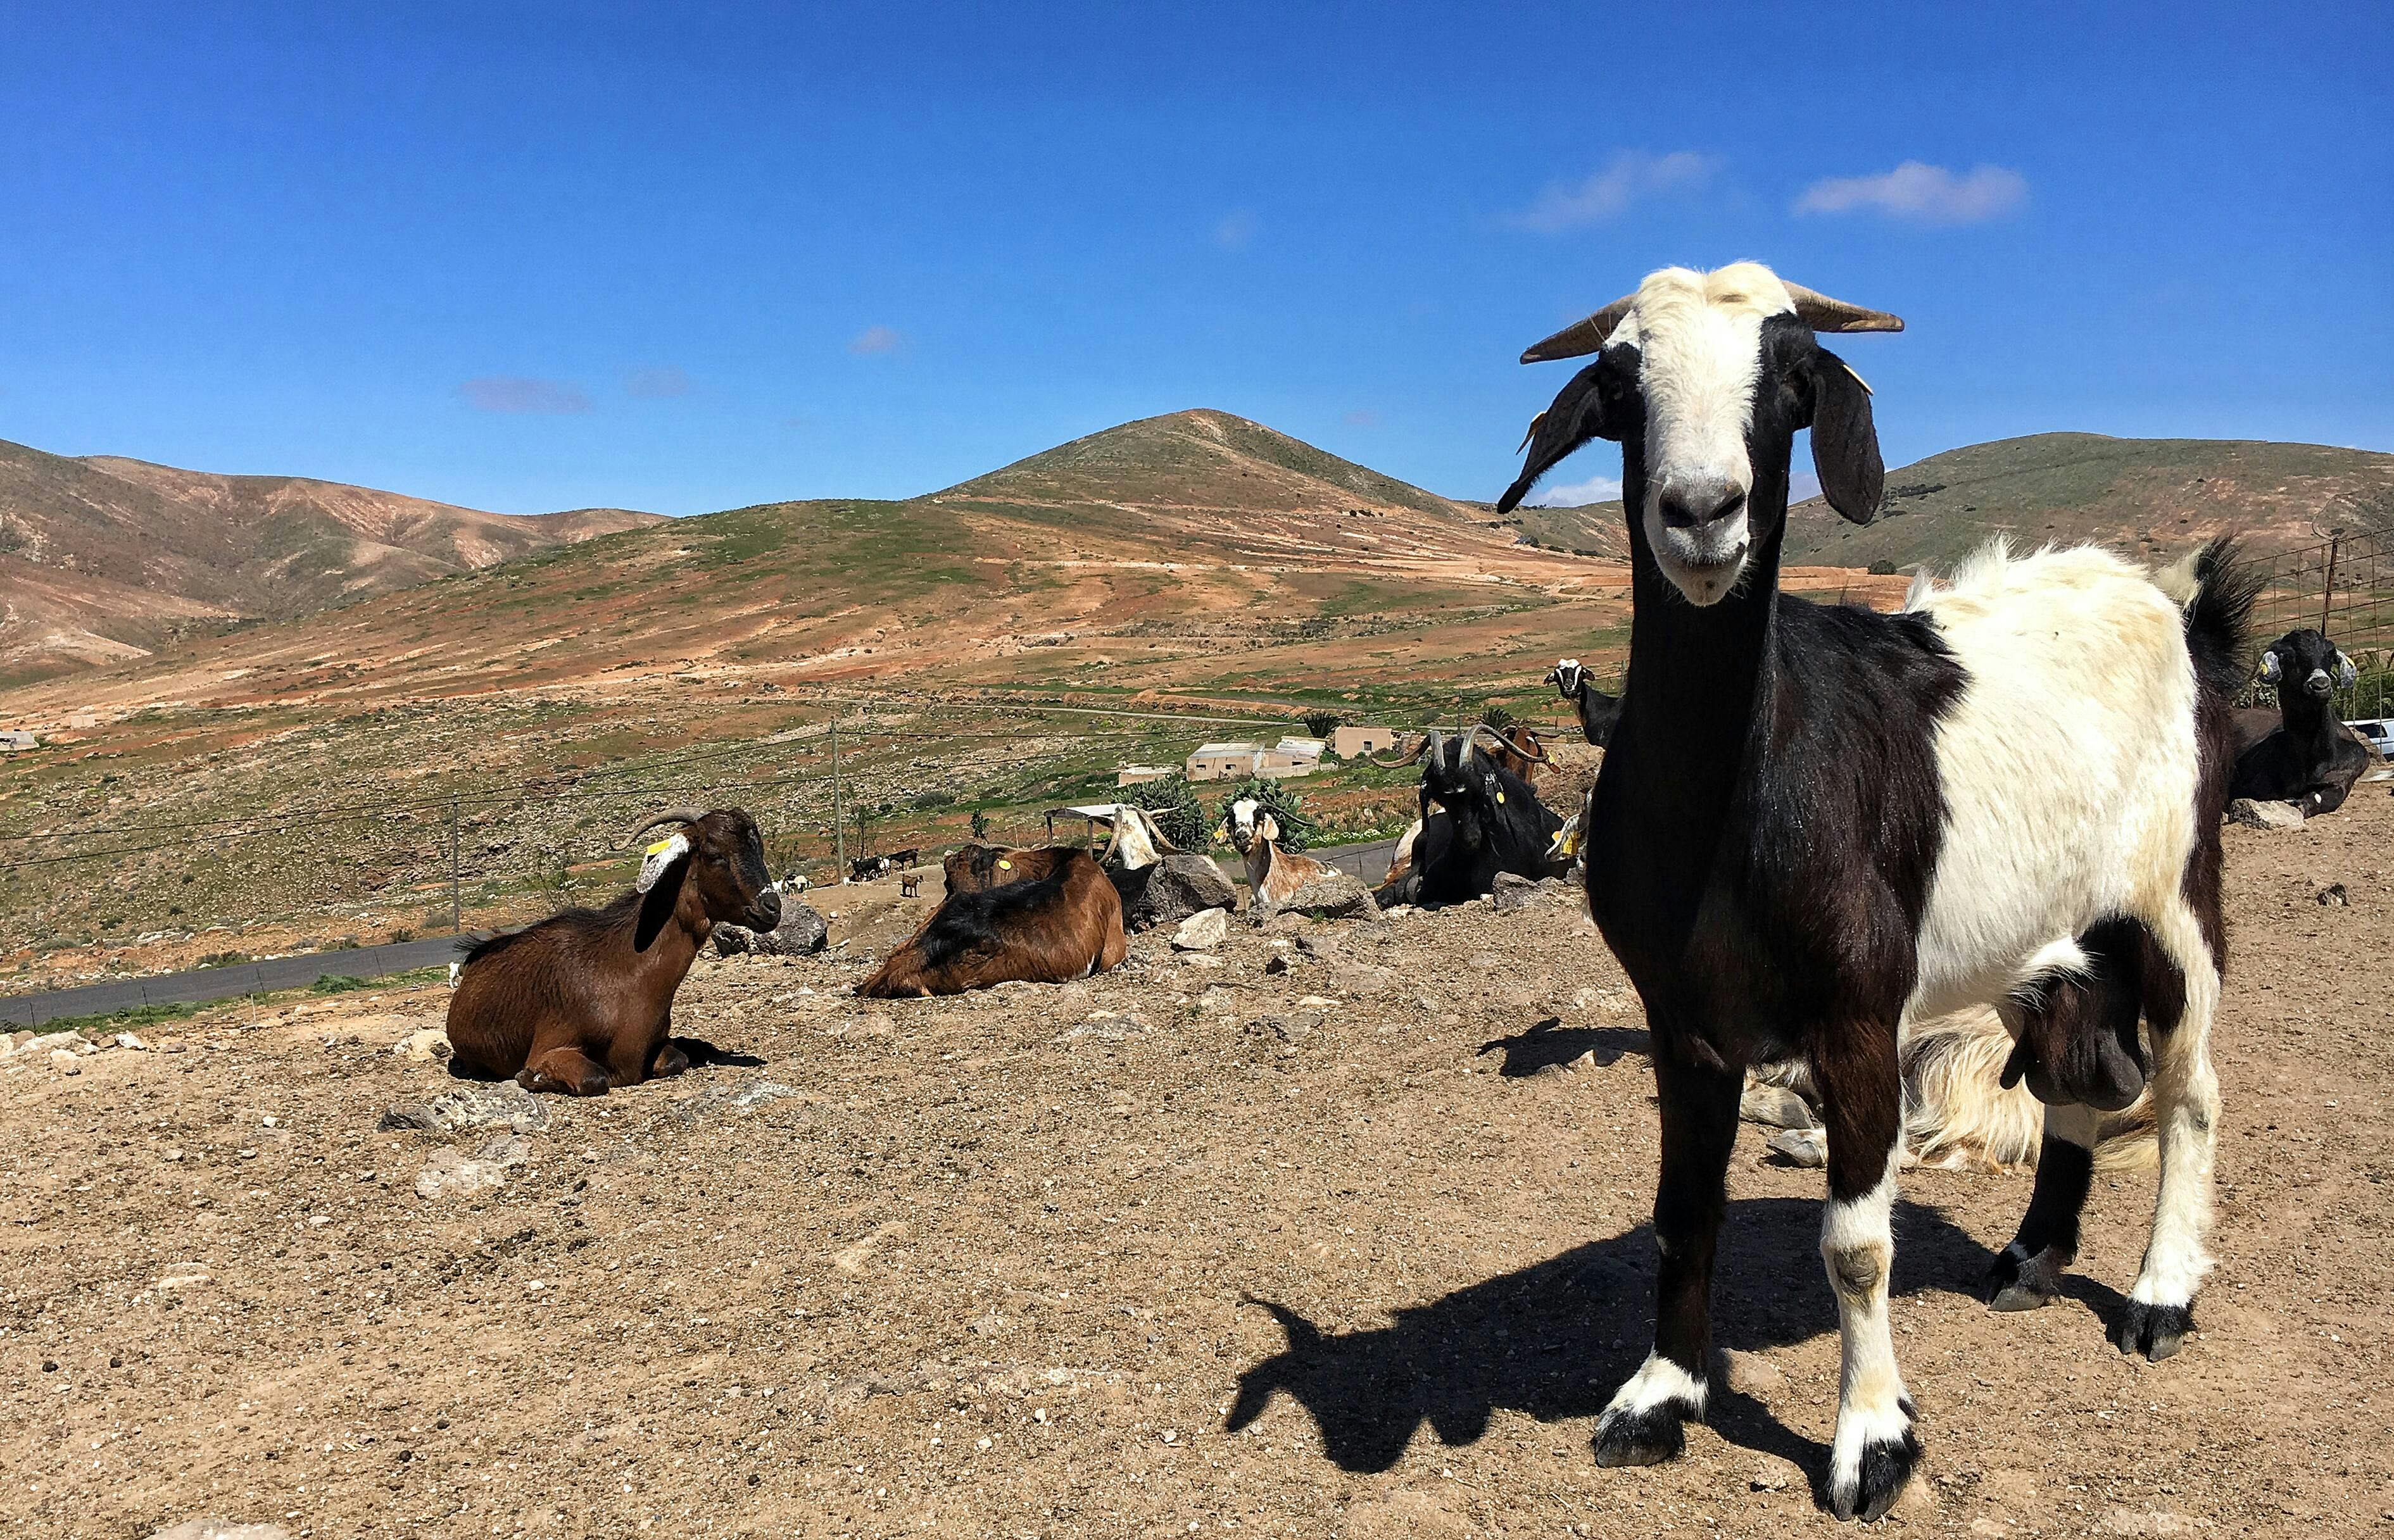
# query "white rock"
(48, 1042)
(65, 1062)
(452, 1174)
(127, 1039)
(427, 1046)
(1203, 932)
(217, 1529)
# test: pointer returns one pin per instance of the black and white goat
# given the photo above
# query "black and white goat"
(1598, 711)
(1820, 822)
(2310, 760)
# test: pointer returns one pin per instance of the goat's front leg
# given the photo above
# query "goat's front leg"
(1862, 1104)
(1642, 1425)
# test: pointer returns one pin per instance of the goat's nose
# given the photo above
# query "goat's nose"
(2318, 684)
(769, 903)
(1692, 505)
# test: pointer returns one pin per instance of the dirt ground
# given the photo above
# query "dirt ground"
(1352, 1247)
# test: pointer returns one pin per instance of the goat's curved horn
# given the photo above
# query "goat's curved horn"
(670, 816)
(1435, 744)
(1824, 314)
(1582, 337)
(1471, 739)
(1529, 747)
(1404, 757)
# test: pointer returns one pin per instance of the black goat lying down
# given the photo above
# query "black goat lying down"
(2310, 760)
(1478, 820)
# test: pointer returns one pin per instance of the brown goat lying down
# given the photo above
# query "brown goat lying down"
(977, 868)
(1062, 920)
(583, 1000)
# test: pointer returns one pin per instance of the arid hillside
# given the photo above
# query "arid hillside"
(104, 559)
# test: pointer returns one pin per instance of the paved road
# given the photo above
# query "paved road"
(199, 986)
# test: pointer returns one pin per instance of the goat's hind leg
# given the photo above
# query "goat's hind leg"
(2027, 1274)
(2181, 997)
(1643, 1425)
(1862, 1097)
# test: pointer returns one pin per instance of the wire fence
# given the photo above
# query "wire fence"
(2344, 588)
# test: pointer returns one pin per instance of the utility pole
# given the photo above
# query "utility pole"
(456, 915)
(838, 810)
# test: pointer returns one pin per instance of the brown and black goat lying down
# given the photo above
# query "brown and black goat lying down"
(583, 1001)
(1038, 916)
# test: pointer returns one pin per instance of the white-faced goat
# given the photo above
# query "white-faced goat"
(1278, 879)
(2308, 759)
(1819, 822)
(1598, 711)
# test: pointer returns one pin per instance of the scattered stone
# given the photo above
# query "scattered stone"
(1773, 1474)
(1277, 965)
(219, 1529)
(802, 933)
(1807, 1147)
(2332, 896)
(65, 1062)
(1203, 932)
(451, 1174)
(1332, 896)
(1167, 892)
(127, 1039)
(1776, 1107)
(693, 1110)
(46, 1043)
(1585, 1061)
(1513, 892)
(427, 1046)
(2261, 814)
(501, 1104)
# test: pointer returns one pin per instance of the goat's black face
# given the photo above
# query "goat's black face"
(1706, 383)
(2305, 662)
(726, 862)
(1454, 774)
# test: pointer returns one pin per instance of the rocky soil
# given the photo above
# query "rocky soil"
(1332, 1230)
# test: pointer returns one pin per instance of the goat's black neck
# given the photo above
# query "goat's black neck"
(2310, 722)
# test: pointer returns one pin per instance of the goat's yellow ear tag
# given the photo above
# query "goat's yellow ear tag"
(1005, 866)
(1500, 796)
(659, 848)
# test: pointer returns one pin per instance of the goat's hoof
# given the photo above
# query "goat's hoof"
(1877, 1481)
(1640, 1438)
(2017, 1283)
(2155, 1331)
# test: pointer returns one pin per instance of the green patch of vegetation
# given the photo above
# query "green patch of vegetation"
(339, 984)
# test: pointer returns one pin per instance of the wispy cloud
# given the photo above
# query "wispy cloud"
(1361, 417)
(657, 385)
(1923, 193)
(514, 393)
(876, 339)
(1596, 488)
(1235, 230)
(1630, 176)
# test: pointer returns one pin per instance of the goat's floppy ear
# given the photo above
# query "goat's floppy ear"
(658, 857)
(1270, 830)
(2270, 668)
(1845, 440)
(1577, 416)
(2346, 675)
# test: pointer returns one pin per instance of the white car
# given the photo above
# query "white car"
(2378, 733)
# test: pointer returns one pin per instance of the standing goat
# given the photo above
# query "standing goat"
(2309, 759)
(1598, 711)
(1820, 822)
(583, 1001)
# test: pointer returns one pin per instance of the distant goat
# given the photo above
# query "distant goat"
(2310, 760)
(1064, 922)
(583, 1000)
(1276, 878)
(1598, 711)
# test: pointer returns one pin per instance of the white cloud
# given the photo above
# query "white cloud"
(514, 393)
(1628, 176)
(1236, 230)
(1596, 488)
(657, 385)
(1923, 193)
(876, 339)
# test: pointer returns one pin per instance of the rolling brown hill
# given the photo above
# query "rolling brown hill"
(104, 559)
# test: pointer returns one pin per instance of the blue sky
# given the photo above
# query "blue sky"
(688, 257)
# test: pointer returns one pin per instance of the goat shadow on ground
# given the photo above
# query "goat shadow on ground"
(1550, 1042)
(699, 1052)
(1556, 1339)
